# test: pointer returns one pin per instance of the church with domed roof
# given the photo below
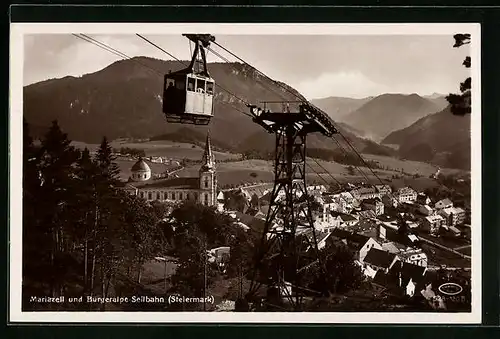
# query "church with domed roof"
(202, 188)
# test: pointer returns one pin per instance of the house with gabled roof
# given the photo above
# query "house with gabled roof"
(425, 210)
(375, 205)
(403, 279)
(337, 219)
(378, 260)
(409, 277)
(359, 244)
(443, 203)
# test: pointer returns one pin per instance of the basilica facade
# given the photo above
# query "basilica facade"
(202, 188)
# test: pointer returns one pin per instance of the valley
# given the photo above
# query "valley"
(233, 171)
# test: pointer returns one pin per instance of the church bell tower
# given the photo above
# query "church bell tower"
(208, 178)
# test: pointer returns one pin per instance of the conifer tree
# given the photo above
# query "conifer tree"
(461, 103)
(105, 161)
(57, 170)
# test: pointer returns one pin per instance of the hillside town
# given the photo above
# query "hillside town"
(400, 238)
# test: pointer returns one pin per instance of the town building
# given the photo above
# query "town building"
(425, 210)
(432, 223)
(377, 260)
(389, 201)
(406, 194)
(359, 243)
(383, 189)
(202, 189)
(409, 277)
(453, 215)
(363, 193)
(444, 203)
(341, 202)
(415, 256)
(337, 219)
(423, 199)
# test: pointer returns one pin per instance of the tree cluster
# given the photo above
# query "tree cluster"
(81, 231)
(461, 103)
(133, 152)
(192, 230)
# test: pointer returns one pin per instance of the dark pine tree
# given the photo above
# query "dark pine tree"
(105, 161)
(461, 103)
(57, 192)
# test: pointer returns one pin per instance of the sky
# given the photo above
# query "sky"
(316, 65)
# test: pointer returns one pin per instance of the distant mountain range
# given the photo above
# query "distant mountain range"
(123, 100)
(376, 117)
(338, 108)
(442, 138)
(390, 112)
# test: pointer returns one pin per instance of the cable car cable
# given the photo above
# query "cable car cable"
(163, 50)
(112, 50)
(302, 98)
(347, 154)
(331, 176)
(342, 148)
(124, 56)
(262, 83)
(287, 89)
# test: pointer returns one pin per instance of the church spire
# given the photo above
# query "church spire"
(208, 161)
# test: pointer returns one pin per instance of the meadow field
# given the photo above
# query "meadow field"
(235, 173)
(162, 148)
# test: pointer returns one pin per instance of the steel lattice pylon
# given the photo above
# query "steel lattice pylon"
(282, 252)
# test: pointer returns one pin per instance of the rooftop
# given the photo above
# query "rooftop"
(140, 166)
(453, 210)
(406, 190)
(444, 202)
(353, 239)
(432, 218)
(364, 190)
(370, 214)
(410, 271)
(256, 224)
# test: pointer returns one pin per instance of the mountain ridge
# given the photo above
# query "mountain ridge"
(123, 100)
(441, 138)
(389, 112)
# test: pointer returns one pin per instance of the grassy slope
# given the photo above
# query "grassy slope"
(239, 172)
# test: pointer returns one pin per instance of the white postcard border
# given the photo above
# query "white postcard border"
(17, 31)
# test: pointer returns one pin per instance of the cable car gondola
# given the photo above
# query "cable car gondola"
(188, 94)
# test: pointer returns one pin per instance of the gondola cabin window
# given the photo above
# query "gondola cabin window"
(188, 95)
(210, 87)
(191, 84)
(198, 101)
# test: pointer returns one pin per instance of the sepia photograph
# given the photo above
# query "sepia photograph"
(318, 173)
